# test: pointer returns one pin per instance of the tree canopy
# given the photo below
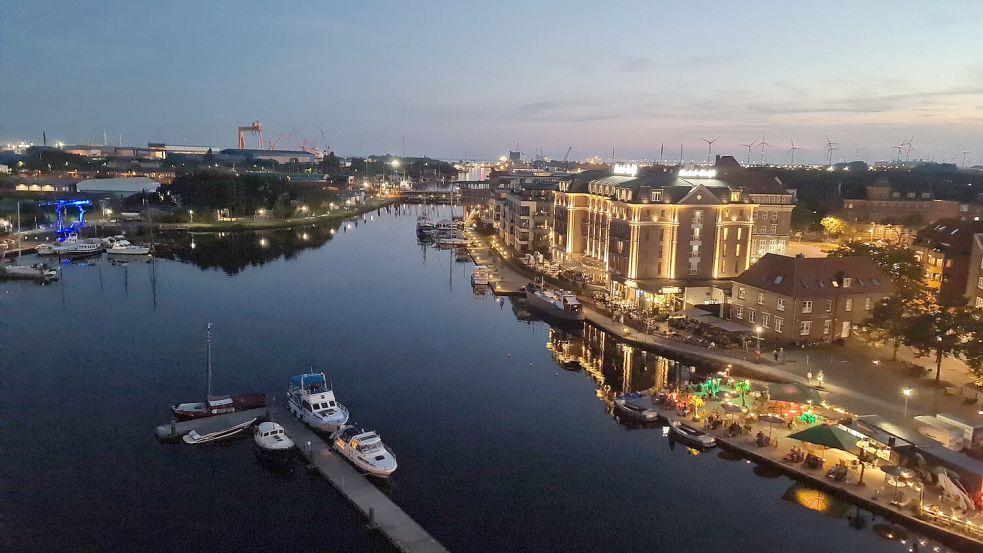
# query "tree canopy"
(898, 262)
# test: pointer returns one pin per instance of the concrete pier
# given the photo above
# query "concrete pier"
(174, 430)
(383, 514)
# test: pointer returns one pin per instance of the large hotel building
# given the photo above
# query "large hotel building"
(664, 238)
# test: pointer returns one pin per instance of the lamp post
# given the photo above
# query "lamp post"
(191, 213)
(906, 392)
(757, 331)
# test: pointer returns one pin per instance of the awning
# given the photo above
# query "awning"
(827, 435)
(792, 392)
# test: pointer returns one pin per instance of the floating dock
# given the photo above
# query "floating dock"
(175, 430)
(386, 516)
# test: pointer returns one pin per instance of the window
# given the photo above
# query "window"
(805, 328)
(765, 319)
(761, 298)
(774, 215)
(979, 283)
(846, 282)
(979, 301)
(779, 322)
(773, 229)
(781, 304)
(750, 315)
(849, 304)
(741, 292)
(807, 306)
(829, 305)
(740, 312)
(827, 326)
(867, 304)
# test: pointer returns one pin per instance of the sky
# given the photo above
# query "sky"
(475, 79)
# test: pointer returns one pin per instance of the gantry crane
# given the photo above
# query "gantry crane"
(257, 129)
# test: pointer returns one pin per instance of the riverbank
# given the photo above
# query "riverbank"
(340, 214)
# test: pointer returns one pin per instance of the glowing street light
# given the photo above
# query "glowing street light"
(757, 331)
(191, 213)
(906, 392)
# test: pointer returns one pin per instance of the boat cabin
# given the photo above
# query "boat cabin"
(361, 441)
(313, 392)
(269, 430)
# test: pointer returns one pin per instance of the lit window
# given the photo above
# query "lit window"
(829, 305)
(781, 304)
(761, 298)
(805, 328)
(827, 326)
(849, 304)
(867, 304)
(741, 292)
(807, 306)
(750, 315)
(740, 312)
(779, 322)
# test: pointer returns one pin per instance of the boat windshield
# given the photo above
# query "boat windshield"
(370, 448)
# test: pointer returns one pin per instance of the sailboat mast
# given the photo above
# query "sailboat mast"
(208, 347)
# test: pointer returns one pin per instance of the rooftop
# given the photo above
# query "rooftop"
(816, 276)
(950, 235)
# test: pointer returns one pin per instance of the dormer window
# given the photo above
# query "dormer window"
(846, 282)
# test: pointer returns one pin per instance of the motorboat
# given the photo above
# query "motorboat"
(424, 226)
(559, 304)
(195, 437)
(72, 246)
(365, 450)
(109, 241)
(124, 247)
(691, 435)
(480, 276)
(312, 401)
(636, 405)
(37, 271)
(216, 404)
(271, 438)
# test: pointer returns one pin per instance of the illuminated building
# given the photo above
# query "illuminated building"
(665, 237)
(522, 213)
(951, 251)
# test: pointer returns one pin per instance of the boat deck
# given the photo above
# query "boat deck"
(402, 531)
(174, 430)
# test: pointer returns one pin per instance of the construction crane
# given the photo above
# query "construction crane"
(566, 156)
(256, 129)
(271, 145)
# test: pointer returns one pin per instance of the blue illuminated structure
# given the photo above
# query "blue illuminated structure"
(60, 206)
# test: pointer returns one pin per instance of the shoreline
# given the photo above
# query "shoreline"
(242, 226)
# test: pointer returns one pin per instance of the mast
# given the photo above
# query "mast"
(19, 236)
(208, 347)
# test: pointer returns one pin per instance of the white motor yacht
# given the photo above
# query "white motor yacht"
(311, 400)
(365, 450)
(72, 245)
(271, 438)
(124, 247)
(480, 276)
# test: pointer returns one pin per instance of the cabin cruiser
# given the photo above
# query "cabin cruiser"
(480, 276)
(72, 245)
(311, 400)
(560, 304)
(271, 438)
(110, 240)
(195, 437)
(37, 271)
(633, 405)
(424, 226)
(124, 247)
(365, 450)
(691, 435)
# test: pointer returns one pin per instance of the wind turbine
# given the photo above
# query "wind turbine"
(710, 147)
(829, 150)
(749, 146)
(907, 156)
(792, 150)
(964, 157)
(899, 147)
(761, 160)
(857, 150)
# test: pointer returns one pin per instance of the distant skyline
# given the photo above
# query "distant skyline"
(474, 79)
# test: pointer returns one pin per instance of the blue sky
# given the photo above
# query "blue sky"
(475, 78)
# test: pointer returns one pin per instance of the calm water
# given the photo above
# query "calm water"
(503, 436)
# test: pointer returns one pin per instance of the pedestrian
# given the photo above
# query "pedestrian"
(820, 377)
(809, 376)
(781, 355)
(711, 346)
(774, 353)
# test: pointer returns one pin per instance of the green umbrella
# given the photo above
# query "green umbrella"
(827, 435)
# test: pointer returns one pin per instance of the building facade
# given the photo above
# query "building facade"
(522, 214)
(951, 251)
(807, 299)
(667, 238)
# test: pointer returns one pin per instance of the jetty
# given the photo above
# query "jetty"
(382, 513)
(174, 430)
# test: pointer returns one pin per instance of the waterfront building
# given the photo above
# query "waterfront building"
(126, 186)
(883, 203)
(662, 238)
(522, 213)
(951, 251)
(802, 299)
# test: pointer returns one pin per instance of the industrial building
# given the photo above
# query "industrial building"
(245, 155)
(120, 187)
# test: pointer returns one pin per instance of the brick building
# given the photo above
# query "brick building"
(951, 251)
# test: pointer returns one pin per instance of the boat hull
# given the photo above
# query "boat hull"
(240, 402)
(195, 438)
(699, 442)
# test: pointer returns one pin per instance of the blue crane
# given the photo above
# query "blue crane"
(60, 206)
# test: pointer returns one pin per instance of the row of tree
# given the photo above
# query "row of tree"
(245, 194)
(913, 315)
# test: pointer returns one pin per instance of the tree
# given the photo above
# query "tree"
(833, 226)
(973, 344)
(891, 317)
(743, 388)
(897, 262)
(941, 332)
(282, 207)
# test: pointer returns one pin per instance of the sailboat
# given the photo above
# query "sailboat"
(37, 271)
(217, 405)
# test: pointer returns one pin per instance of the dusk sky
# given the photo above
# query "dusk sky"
(475, 78)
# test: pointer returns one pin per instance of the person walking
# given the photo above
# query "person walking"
(809, 376)
(774, 354)
(781, 355)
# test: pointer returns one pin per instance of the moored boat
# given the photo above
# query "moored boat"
(270, 438)
(560, 304)
(480, 276)
(365, 450)
(313, 402)
(691, 435)
(637, 406)
(195, 437)
(72, 246)
(124, 247)
(213, 404)
(37, 271)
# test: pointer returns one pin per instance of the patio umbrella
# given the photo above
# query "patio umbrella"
(827, 435)
(771, 420)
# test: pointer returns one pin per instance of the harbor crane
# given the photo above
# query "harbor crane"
(255, 129)
(566, 156)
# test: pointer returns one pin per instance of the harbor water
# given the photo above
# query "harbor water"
(502, 425)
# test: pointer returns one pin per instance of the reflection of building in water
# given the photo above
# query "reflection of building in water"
(614, 365)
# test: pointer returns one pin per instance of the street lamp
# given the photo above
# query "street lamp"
(757, 330)
(906, 392)
(191, 213)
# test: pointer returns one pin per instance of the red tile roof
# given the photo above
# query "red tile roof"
(816, 276)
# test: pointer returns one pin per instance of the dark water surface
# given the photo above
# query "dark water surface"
(501, 447)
